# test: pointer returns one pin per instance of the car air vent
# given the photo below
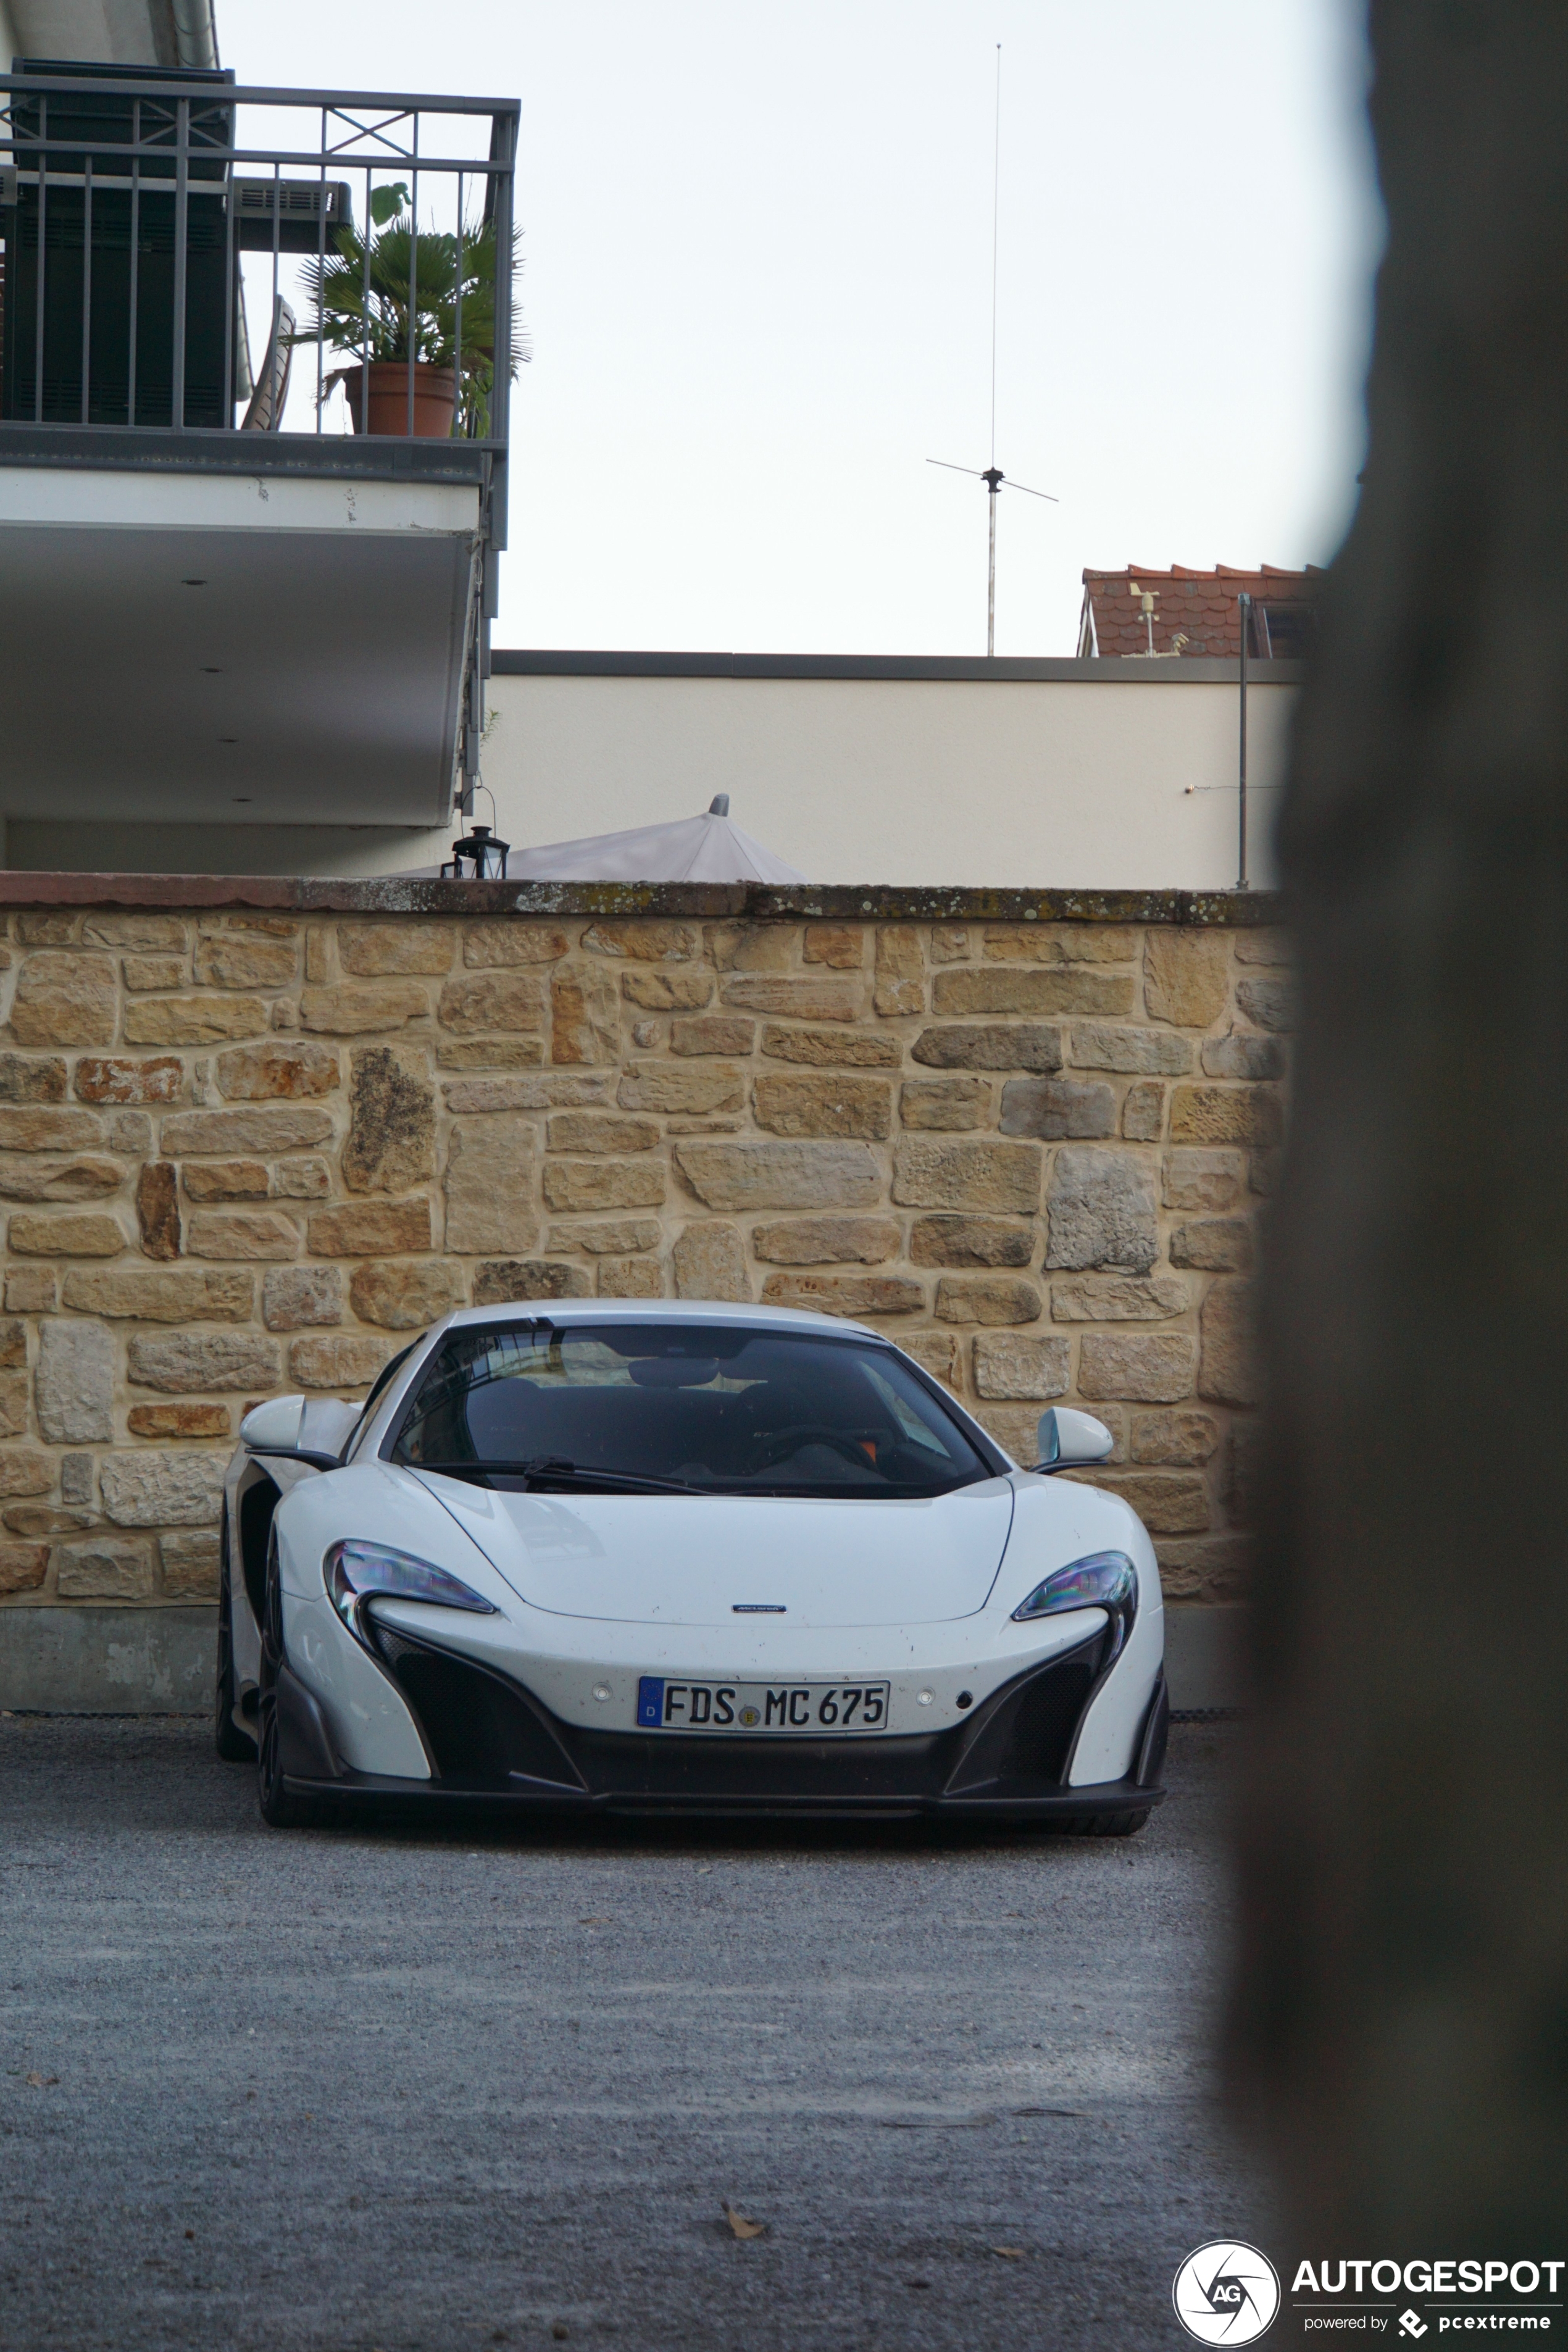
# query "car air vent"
(1047, 1717)
(479, 1730)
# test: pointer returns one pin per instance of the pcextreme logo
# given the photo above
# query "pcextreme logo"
(1226, 2292)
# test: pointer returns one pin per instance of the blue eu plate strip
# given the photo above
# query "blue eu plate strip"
(650, 1702)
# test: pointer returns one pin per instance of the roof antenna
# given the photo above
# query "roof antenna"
(993, 475)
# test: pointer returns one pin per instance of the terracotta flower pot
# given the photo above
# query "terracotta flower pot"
(435, 399)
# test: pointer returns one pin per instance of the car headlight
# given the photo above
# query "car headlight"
(1101, 1580)
(357, 1570)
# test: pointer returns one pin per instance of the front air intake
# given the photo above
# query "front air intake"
(480, 1730)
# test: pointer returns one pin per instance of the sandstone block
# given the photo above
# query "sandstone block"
(980, 1176)
(185, 1363)
(1269, 1004)
(824, 1105)
(335, 1361)
(842, 946)
(227, 1180)
(29, 1079)
(1241, 1055)
(990, 1045)
(178, 1421)
(392, 1120)
(1057, 1107)
(490, 1053)
(758, 1175)
(35, 1295)
(489, 1184)
(1187, 976)
(40, 1519)
(800, 1000)
(109, 1078)
(218, 1134)
(1059, 943)
(403, 1295)
(1208, 1568)
(147, 1489)
(134, 930)
(14, 1404)
(1230, 1373)
(711, 1263)
(1175, 1440)
(24, 1472)
(261, 1233)
(230, 959)
(1015, 989)
(615, 1236)
(1101, 1211)
(936, 1352)
(319, 963)
(190, 1565)
(630, 1278)
(23, 1567)
(604, 1183)
(1118, 1299)
(496, 947)
(667, 992)
(1139, 1053)
(644, 940)
(46, 927)
(1143, 1112)
(190, 1021)
(84, 1235)
(369, 1229)
(654, 1085)
(350, 1012)
(294, 1297)
(129, 1130)
(957, 1240)
(24, 1177)
(949, 943)
(30, 1129)
(75, 1477)
(1255, 946)
(1008, 1365)
(180, 1295)
(947, 1103)
(718, 1033)
(585, 1015)
(854, 1295)
(1171, 1502)
(1218, 1244)
(855, 1049)
(986, 1298)
(64, 1000)
(74, 1385)
(751, 947)
(1142, 1367)
(899, 984)
(498, 1282)
(551, 1090)
(1248, 1115)
(158, 1210)
(1200, 1181)
(827, 1240)
(271, 1072)
(378, 950)
(144, 974)
(103, 1568)
(588, 1130)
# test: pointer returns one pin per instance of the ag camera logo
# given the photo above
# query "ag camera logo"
(1227, 2292)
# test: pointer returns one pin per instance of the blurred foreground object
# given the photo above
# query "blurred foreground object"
(1402, 2011)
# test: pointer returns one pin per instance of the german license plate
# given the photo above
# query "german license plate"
(798, 1708)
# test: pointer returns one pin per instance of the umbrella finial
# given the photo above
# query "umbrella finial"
(719, 804)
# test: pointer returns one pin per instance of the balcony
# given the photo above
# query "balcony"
(246, 576)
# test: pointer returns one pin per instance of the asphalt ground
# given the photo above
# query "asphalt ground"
(418, 2088)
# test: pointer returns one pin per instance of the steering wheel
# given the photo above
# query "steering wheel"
(780, 1442)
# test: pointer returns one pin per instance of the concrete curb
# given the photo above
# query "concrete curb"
(108, 1660)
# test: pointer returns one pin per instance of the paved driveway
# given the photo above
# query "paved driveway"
(431, 2089)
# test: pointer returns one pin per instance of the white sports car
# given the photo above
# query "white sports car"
(691, 1558)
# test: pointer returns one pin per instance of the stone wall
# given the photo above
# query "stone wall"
(255, 1137)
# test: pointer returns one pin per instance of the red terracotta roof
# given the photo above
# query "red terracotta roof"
(1199, 607)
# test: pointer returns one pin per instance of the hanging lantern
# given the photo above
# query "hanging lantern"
(477, 857)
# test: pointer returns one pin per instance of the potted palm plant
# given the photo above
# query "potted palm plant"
(399, 309)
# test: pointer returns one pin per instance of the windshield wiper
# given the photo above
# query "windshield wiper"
(553, 1467)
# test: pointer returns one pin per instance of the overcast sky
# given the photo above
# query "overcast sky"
(758, 283)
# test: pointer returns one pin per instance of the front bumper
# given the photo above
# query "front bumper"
(491, 1742)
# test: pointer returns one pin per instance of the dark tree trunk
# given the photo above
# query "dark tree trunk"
(1402, 2008)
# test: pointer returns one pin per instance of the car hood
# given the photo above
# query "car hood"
(673, 1559)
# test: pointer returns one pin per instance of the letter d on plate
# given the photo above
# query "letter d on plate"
(650, 1702)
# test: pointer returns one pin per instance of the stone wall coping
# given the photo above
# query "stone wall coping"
(399, 894)
(1002, 669)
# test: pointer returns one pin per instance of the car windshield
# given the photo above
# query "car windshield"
(721, 1408)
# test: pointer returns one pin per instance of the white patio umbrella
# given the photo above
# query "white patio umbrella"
(707, 849)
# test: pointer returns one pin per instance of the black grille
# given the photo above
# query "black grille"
(480, 1731)
(1047, 1717)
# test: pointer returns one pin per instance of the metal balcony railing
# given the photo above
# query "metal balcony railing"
(185, 255)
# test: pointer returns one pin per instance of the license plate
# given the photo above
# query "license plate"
(798, 1708)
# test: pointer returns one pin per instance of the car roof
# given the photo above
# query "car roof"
(656, 1310)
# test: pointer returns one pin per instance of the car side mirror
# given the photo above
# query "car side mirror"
(273, 1427)
(1068, 1438)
